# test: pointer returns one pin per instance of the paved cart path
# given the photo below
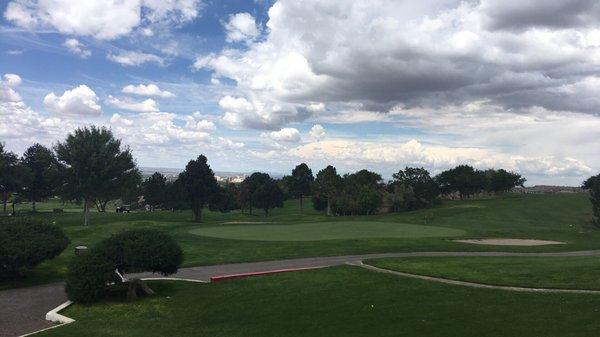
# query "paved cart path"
(23, 310)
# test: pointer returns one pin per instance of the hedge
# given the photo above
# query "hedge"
(26, 242)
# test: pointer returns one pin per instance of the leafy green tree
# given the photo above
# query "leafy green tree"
(463, 179)
(595, 199)
(423, 188)
(122, 188)
(268, 195)
(175, 196)
(301, 182)
(93, 163)
(327, 185)
(589, 182)
(501, 181)
(199, 184)
(368, 200)
(225, 199)
(249, 187)
(154, 189)
(362, 193)
(10, 168)
(45, 173)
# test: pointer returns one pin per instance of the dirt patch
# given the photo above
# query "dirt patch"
(245, 222)
(510, 242)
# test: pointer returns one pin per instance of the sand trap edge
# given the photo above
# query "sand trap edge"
(510, 242)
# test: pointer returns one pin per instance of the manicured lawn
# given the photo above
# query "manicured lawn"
(561, 217)
(544, 272)
(342, 301)
(326, 231)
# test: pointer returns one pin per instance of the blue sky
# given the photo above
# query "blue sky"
(265, 85)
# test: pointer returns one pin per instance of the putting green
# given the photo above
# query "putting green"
(326, 231)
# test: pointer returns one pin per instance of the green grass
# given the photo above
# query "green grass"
(342, 301)
(326, 231)
(543, 272)
(560, 217)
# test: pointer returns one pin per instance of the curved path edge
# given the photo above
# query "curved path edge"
(22, 310)
(472, 284)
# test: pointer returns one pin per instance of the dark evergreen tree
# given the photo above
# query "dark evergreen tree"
(154, 189)
(300, 182)
(44, 170)
(199, 184)
(327, 185)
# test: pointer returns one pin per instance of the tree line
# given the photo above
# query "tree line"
(92, 167)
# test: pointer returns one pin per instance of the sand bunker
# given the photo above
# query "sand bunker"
(511, 242)
(245, 222)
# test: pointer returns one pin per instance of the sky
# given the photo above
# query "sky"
(265, 85)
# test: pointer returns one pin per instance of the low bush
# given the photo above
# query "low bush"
(88, 278)
(26, 242)
(140, 250)
(136, 250)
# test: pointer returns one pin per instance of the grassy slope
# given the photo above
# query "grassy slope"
(343, 301)
(568, 273)
(554, 217)
(326, 231)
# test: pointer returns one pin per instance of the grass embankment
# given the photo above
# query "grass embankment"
(561, 217)
(533, 272)
(342, 301)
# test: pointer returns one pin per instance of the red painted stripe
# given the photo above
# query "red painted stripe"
(258, 273)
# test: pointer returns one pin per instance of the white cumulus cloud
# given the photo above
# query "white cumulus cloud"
(80, 100)
(317, 132)
(77, 48)
(148, 105)
(101, 19)
(135, 58)
(150, 90)
(241, 27)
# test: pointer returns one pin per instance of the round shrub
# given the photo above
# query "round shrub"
(25, 243)
(140, 250)
(88, 278)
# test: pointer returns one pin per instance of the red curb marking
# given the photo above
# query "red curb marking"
(220, 278)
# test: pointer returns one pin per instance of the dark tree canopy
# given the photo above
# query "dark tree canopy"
(175, 196)
(360, 194)
(595, 199)
(327, 185)
(44, 171)
(590, 182)
(249, 187)
(463, 179)
(419, 189)
(95, 167)
(199, 184)
(10, 178)
(225, 199)
(500, 181)
(154, 188)
(300, 182)
(267, 196)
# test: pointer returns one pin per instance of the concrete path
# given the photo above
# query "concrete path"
(473, 284)
(22, 310)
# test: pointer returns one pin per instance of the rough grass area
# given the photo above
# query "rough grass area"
(342, 301)
(535, 272)
(327, 231)
(560, 217)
